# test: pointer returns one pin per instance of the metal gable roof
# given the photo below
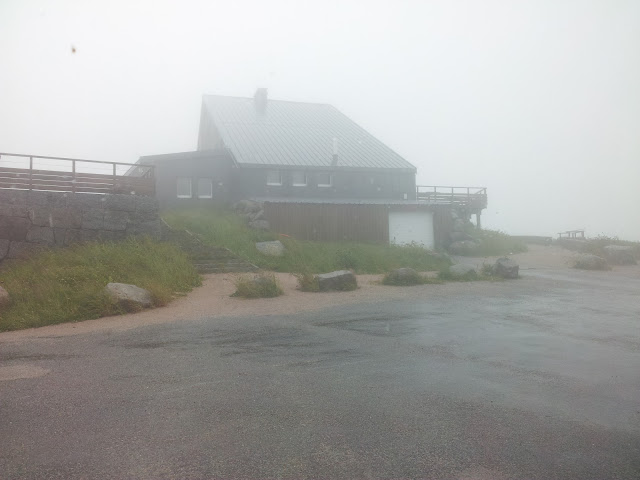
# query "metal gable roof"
(296, 134)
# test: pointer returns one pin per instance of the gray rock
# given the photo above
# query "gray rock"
(587, 261)
(8, 210)
(619, 255)
(458, 225)
(22, 249)
(506, 268)
(259, 225)
(43, 235)
(128, 296)
(338, 280)
(72, 236)
(459, 236)
(256, 216)
(463, 269)
(146, 204)
(403, 276)
(4, 248)
(115, 220)
(464, 247)
(247, 206)
(14, 228)
(5, 299)
(14, 197)
(87, 201)
(93, 219)
(272, 249)
(124, 203)
(59, 235)
(48, 199)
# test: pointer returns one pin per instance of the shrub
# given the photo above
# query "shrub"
(307, 282)
(260, 286)
(590, 262)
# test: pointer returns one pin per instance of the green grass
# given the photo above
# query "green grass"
(66, 285)
(224, 228)
(260, 286)
(495, 243)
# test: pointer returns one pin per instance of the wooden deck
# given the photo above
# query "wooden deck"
(59, 174)
(471, 198)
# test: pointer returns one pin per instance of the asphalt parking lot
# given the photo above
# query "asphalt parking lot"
(537, 378)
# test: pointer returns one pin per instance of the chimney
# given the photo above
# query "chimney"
(260, 100)
(334, 160)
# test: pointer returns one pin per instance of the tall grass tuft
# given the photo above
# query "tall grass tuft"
(68, 284)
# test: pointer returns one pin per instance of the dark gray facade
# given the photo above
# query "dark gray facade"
(229, 182)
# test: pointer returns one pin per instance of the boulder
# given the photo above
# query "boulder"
(464, 247)
(403, 276)
(129, 296)
(247, 206)
(587, 261)
(338, 280)
(4, 298)
(619, 255)
(259, 225)
(463, 269)
(458, 225)
(256, 216)
(272, 249)
(506, 268)
(459, 236)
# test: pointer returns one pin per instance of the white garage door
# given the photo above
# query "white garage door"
(411, 227)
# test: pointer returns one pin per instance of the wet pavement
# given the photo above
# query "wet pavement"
(537, 378)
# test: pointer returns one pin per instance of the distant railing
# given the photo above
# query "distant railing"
(59, 174)
(469, 197)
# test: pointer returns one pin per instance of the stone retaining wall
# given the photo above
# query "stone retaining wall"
(32, 219)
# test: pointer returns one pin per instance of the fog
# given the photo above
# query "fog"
(539, 101)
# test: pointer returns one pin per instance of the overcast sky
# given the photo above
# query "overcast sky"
(539, 101)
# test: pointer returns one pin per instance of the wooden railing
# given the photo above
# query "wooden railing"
(474, 198)
(59, 174)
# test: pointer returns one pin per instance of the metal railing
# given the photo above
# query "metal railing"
(468, 197)
(61, 174)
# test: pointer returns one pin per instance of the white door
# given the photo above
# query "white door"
(411, 227)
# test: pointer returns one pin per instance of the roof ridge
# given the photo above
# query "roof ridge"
(268, 100)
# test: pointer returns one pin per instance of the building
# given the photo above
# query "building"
(319, 174)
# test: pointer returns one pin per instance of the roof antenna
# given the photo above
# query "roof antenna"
(334, 160)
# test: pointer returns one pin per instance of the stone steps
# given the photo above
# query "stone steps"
(207, 258)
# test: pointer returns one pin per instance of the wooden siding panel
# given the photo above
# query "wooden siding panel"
(329, 222)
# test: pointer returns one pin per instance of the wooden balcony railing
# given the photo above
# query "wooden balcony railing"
(59, 174)
(472, 198)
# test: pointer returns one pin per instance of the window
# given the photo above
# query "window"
(299, 179)
(325, 179)
(205, 188)
(274, 177)
(184, 187)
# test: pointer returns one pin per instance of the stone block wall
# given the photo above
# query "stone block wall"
(32, 219)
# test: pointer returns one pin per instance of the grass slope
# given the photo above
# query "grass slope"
(67, 285)
(224, 228)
